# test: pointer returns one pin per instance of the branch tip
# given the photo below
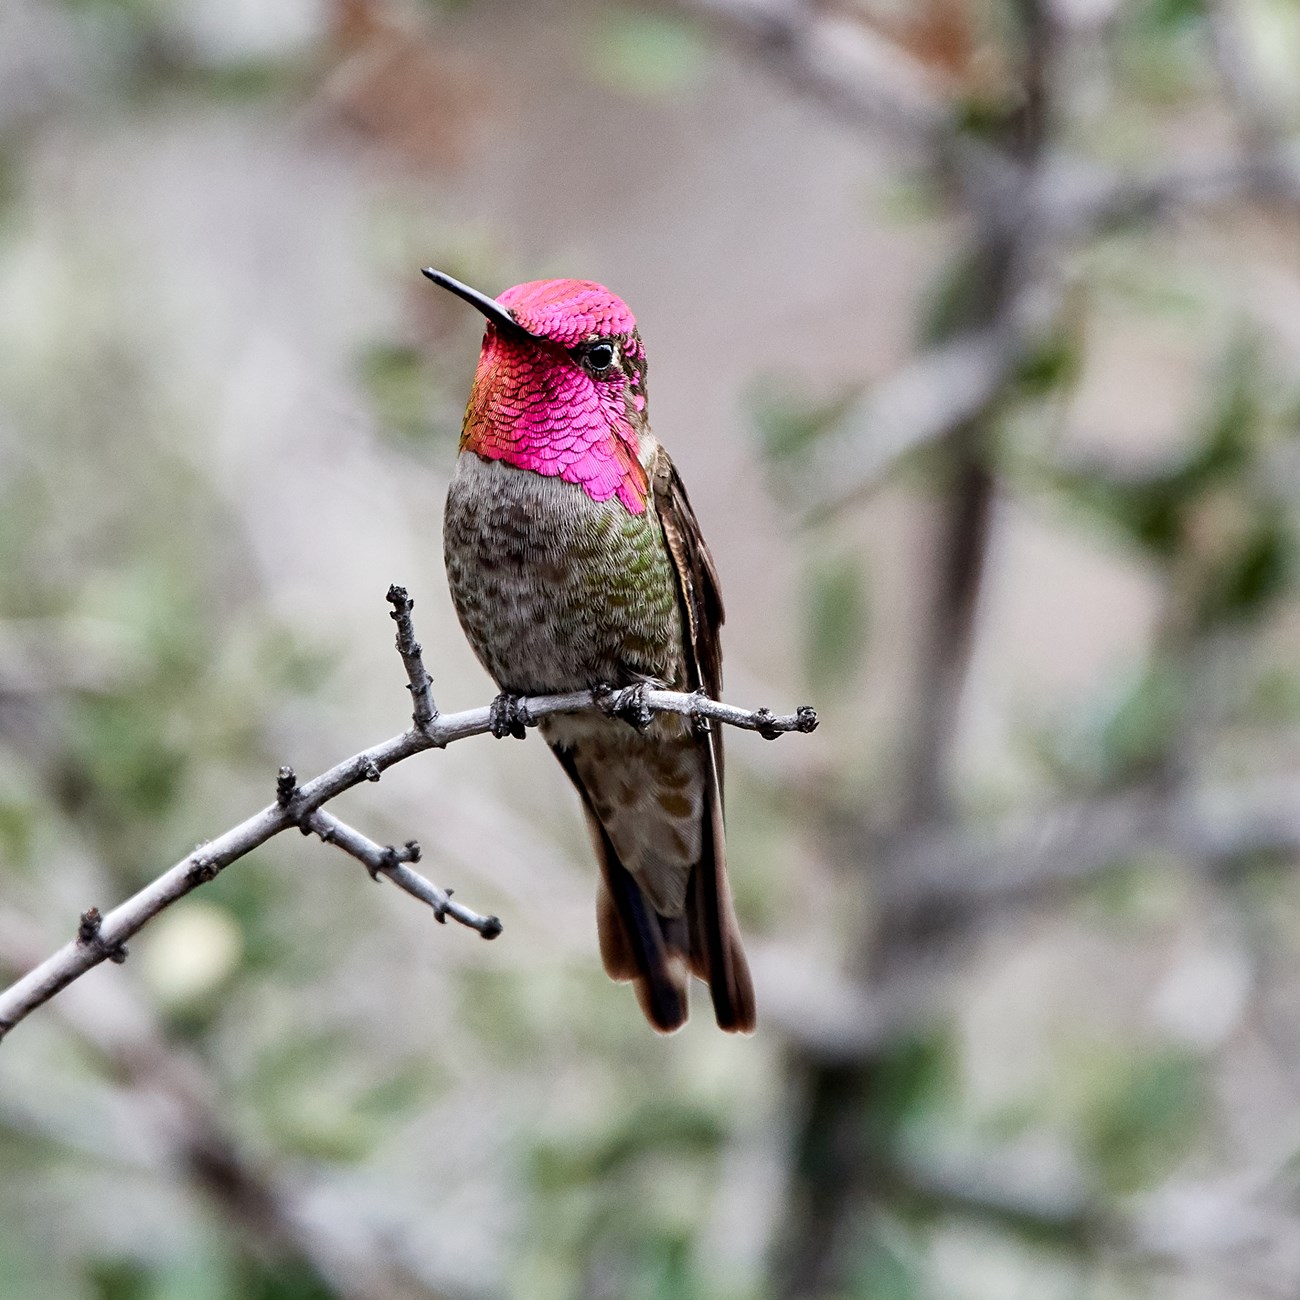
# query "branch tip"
(419, 683)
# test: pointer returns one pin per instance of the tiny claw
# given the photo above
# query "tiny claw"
(508, 716)
(630, 705)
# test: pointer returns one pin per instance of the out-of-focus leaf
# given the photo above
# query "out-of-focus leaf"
(258, 1279)
(127, 754)
(1145, 1117)
(1121, 737)
(646, 54)
(1162, 47)
(669, 1271)
(911, 1080)
(1154, 510)
(1170, 13)
(120, 1279)
(908, 197)
(1273, 696)
(320, 1101)
(645, 1131)
(1136, 733)
(401, 1092)
(17, 834)
(398, 380)
(789, 421)
(1248, 581)
(1229, 433)
(957, 300)
(836, 620)
(1147, 512)
(886, 1273)
(1052, 363)
(985, 118)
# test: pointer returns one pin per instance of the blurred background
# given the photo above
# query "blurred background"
(975, 331)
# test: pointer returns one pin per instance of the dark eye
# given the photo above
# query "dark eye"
(598, 357)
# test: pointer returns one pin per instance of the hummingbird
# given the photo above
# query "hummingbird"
(575, 561)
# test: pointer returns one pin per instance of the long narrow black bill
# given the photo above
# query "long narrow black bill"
(490, 308)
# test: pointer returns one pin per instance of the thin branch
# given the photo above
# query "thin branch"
(104, 937)
(419, 683)
(387, 861)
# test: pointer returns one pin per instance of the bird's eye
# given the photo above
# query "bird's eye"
(599, 357)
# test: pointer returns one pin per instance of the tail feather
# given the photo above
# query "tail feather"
(634, 941)
(658, 953)
(716, 953)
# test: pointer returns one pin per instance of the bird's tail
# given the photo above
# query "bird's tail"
(658, 953)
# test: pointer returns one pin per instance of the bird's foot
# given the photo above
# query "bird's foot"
(508, 716)
(630, 705)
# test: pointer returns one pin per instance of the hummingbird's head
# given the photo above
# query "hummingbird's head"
(560, 386)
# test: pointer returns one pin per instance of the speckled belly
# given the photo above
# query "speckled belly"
(556, 591)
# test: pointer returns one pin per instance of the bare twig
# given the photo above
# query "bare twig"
(103, 937)
(391, 862)
(419, 683)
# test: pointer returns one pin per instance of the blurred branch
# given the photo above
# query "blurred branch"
(1262, 117)
(1008, 294)
(943, 873)
(855, 72)
(101, 938)
(943, 389)
(1047, 197)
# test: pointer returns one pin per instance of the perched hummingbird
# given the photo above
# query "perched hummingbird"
(575, 560)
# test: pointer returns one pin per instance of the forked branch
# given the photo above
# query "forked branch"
(103, 937)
